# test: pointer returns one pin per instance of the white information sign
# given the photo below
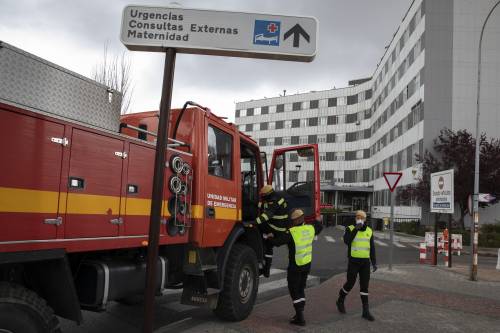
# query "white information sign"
(224, 33)
(442, 195)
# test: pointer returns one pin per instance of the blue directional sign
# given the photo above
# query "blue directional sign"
(266, 33)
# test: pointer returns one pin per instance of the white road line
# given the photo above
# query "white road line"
(379, 242)
(397, 244)
(330, 239)
(415, 246)
(277, 284)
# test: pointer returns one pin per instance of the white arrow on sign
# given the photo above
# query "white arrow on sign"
(392, 179)
(214, 32)
(486, 197)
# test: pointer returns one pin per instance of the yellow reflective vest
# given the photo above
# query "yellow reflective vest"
(303, 236)
(360, 246)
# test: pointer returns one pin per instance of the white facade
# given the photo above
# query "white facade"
(381, 124)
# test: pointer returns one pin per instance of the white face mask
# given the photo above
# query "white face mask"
(360, 221)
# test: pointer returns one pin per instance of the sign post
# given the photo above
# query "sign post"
(442, 202)
(209, 32)
(392, 179)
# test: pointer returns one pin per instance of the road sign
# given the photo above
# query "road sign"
(392, 179)
(223, 33)
(442, 196)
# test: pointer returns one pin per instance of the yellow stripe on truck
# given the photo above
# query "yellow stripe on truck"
(92, 204)
(14, 200)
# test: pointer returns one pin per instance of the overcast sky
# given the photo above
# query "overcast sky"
(71, 33)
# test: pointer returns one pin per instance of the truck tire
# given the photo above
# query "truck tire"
(241, 282)
(23, 311)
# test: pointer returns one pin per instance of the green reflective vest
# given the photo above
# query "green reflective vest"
(303, 236)
(360, 246)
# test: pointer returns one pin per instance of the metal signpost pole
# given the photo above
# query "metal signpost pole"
(435, 254)
(450, 242)
(157, 195)
(475, 222)
(392, 230)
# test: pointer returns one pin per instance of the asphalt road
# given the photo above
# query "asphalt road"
(329, 259)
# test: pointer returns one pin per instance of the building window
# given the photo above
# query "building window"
(332, 102)
(322, 138)
(314, 104)
(329, 175)
(323, 121)
(280, 124)
(352, 136)
(250, 112)
(330, 156)
(270, 141)
(280, 108)
(350, 176)
(367, 133)
(366, 153)
(322, 156)
(249, 128)
(313, 121)
(278, 141)
(237, 115)
(220, 145)
(350, 155)
(297, 106)
(272, 125)
(293, 176)
(303, 139)
(294, 157)
(368, 114)
(263, 126)
(295, 123)
(351, 118)
(286, 140)
(294, 140)
(312, 139)
(262, 142)
(353, 99)
(332, 120)
(264, 110)
(330, 138)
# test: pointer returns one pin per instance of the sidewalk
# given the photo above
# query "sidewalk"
(408, 299)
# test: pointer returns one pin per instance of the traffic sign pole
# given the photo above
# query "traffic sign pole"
(392, 180)
(157, 195)
(391, 248)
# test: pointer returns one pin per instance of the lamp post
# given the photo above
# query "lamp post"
(475, 222)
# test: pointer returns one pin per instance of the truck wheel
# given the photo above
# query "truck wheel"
(23, 311)
(240, 284)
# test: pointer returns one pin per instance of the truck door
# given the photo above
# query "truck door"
(295, 173)
(94, 185)
(221, 191)
(30, 174)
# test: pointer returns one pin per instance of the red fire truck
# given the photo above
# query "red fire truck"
(75, 189)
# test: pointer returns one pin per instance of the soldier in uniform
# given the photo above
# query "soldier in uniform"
(273, 219)
(361, 252)
(299, 239)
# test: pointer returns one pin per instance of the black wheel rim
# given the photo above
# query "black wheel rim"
(246, 284)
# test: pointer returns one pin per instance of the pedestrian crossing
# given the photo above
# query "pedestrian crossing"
(379, 240)
(275, 283)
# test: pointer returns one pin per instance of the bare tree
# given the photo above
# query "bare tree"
(114, 71)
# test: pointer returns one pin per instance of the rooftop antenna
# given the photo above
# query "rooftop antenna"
(284, 92)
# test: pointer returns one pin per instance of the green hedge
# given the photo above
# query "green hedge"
(489, 236)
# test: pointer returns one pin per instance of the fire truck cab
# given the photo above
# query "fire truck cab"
(75, 198)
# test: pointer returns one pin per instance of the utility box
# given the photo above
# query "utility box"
(29, 82)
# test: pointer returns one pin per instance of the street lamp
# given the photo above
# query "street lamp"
(475, 224)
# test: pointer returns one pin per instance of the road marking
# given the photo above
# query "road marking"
(415, 246)
(161, 329)
(379, 242)
(397, 244)
(330, 239)
(281, 283)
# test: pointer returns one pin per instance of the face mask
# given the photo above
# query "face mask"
(360, 221)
